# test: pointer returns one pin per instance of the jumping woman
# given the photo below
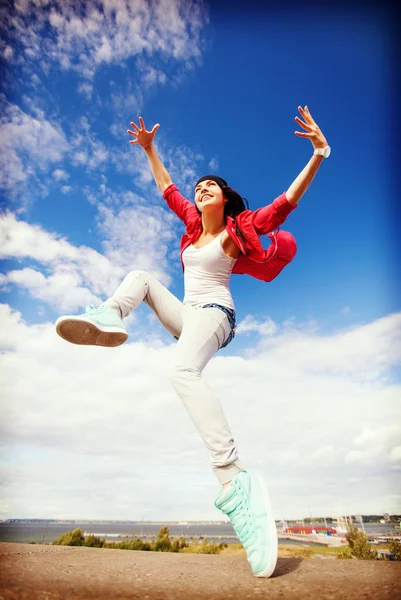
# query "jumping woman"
(222, 237)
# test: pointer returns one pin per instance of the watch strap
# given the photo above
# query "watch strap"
(321, 151)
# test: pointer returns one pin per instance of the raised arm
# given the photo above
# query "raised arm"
(270, 217)
(145, 139)
(304, 179)
(183, 208)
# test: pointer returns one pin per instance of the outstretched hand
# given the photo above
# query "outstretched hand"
(142, 137)
(313, 130)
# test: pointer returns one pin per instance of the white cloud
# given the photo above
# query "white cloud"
(214, 164)
(82, 37)
(60, 175)
(85, 35)
(8, 52)
(133, 162)
(86, 89)
(297, 427)
(267, 327)
(35, 80)
(136, 235)
(28, 143)
(138, 238)
(365, 351)
(137, 232)
(66, 189)
(62, 289)
(80, 158)
(150, 76)
(374, 445)
(86, 149)
(20, 239)
(395, 455)
(78, 275)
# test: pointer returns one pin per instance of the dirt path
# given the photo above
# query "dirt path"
(34, 572)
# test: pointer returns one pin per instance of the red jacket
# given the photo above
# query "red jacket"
(254, 260)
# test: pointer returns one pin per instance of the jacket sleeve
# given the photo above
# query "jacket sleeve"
(269, 217)
(183, 208)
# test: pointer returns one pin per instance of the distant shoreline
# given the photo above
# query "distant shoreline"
(203, 522)
(39, 531)
(72, 521)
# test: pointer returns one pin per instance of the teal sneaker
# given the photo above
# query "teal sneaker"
(97, 326)
(246, 502)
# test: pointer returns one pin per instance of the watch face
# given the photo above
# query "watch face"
(327, 152)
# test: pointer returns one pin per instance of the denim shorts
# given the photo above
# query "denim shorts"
(231, 319)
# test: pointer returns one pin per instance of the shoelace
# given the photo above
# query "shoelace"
(92, 307)
(240, 514)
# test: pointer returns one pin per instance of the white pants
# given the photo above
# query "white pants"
(201, 332)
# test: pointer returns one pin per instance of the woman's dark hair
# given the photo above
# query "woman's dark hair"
(235, 205)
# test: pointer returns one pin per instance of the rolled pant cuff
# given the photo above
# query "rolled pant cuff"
(226, 473)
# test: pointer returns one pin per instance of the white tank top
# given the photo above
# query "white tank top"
(207, 272)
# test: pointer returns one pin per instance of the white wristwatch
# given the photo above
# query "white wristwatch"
(323, 151)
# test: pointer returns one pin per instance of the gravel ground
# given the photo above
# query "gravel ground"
(41, 572)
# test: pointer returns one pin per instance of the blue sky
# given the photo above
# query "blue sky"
(81, 210)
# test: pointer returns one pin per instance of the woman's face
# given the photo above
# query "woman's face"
(208, 195)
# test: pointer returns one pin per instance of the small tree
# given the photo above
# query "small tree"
(359, 544)
(71, 538)
(163, 532)
(183, 543)
(163, 542)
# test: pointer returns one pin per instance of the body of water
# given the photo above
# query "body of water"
(24, 532)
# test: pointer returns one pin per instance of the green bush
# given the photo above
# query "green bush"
(206, 548)
(146, 546)
(395, 549)
(345, 554)
(136, 544)
(71, 538)
(93, 542)
(163, 543)
(139, 545)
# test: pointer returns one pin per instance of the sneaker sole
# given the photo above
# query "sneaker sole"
(86, 333)
(273, 539)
